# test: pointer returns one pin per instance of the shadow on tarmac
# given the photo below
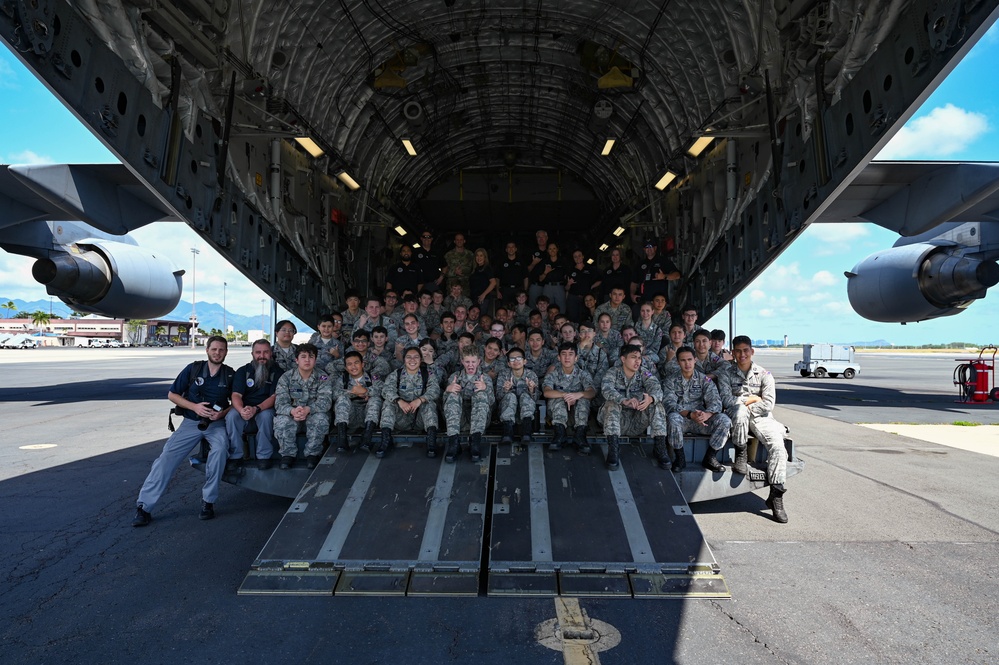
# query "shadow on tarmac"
(134, 388)
(82, 585)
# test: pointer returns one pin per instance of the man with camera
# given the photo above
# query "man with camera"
(201, 394)
(252, 409)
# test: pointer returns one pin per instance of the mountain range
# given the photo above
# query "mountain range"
(210, 314)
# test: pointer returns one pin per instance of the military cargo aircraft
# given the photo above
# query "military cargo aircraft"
(295, 139)
(305, 141)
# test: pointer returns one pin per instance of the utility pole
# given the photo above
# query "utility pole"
(194, 294)
(225, 328)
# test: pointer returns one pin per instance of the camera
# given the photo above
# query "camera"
(217, 407)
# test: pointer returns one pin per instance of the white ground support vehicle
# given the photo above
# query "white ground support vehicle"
(820, 360)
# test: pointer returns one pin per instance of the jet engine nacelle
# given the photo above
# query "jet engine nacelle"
(917, 282)
(112, 279)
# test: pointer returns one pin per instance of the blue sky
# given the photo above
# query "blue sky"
(802, 295)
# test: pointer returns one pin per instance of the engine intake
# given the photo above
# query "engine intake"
(917, 282)
(112, 279)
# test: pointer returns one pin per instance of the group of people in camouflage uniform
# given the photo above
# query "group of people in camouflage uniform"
(383, 369)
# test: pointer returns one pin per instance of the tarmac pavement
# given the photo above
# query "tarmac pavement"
(889, 555)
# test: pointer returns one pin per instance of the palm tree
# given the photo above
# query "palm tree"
(40, 318)
(10, 307)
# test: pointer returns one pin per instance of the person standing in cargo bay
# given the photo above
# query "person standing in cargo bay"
(459, 263)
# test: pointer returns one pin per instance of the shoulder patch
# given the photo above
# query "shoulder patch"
(323, 377)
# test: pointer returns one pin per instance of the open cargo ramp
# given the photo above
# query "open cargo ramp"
(524, 521)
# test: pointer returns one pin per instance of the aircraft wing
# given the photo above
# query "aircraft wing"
(105, 196)
(913, 197)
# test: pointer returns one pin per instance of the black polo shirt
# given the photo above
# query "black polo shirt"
(404, 277)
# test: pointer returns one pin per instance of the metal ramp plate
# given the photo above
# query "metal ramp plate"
(392, 526)
(594, 532)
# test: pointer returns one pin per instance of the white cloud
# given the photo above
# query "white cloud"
(756, 295)
(840, 233)
(175, 240)
(29, 157)
(943, 132)
(823, 278)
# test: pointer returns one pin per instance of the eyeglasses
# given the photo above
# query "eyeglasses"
(516, 359)
(426, 235)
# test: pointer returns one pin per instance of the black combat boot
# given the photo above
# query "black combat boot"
(775, 502)
(432, 442)
(312, 461)
(660, 452)
(453, 449)
(710, 461)
(582, 445)
(367, 436)
(679, 460)
(507, 432)
(342, 445)
(613, 452)
(741, 460)
(474, 445)
(525, 429)
(383, 444)
(558, 439)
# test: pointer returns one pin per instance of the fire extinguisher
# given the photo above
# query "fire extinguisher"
(981, 382)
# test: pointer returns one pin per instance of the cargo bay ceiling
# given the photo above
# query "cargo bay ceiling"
(454, 113)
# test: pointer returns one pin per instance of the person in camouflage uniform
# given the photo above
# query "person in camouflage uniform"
(329, 346)
(661, 315)
(517, 390)
(569, 387)
(460, 263)
(357, 402)
(373, 317)
(430, 317)
(608, 338)
(493, 360)
(616, 308)
(303, 397)
(352, 313)
(283, 351)
(539, 358)
(704, 361)
(410, 395)
(468, 391)
(589, 356)
(649, 331)
(632, 403)
(689, 316)
(694, 407)
(672, 343)
(447, 336)
(753, 394)
(374, 364)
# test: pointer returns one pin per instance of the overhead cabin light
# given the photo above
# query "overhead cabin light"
(700, 145)
(608, 146)
(416, 245)
(603, 247)
(310, 146)
(589, 262)
(401, 231)
(618, 231)
(408, 145)
(667, 178)
(345, 178)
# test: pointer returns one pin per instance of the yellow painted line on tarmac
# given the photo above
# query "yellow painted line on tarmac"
(575, 634)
